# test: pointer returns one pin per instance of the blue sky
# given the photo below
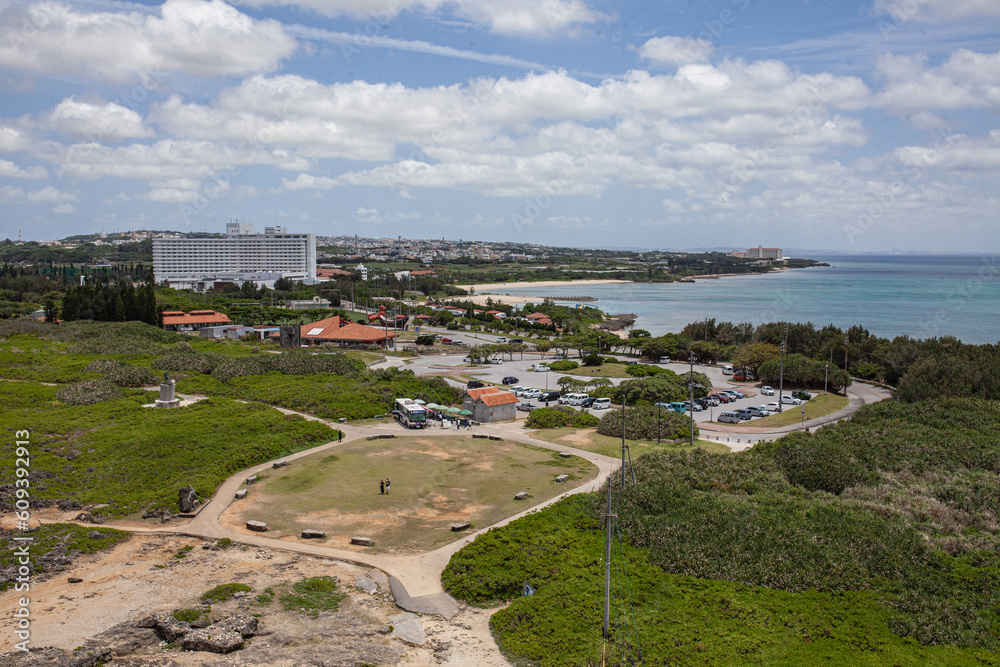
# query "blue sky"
(857, 126)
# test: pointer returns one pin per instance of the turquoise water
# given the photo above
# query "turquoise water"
(921, 296)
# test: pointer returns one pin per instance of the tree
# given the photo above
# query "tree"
(752, 356)
(51, 312)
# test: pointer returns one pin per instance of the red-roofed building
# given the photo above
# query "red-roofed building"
(490, 404)
(344, 333)
(539, 318)
(332, 273)
(177, 320)
(422, 273)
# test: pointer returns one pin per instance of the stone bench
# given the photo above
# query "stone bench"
(479, 435)
(279, 464)
(363, 541)
(251, 479)
(257, 526)
(241, 494)
(310, 534)
(565, 455)
(460, 526)
(495, 437)
(522, 495)
(561, 478)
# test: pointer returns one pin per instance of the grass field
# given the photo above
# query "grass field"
(130, 458)
(602, 371)
(820, 405)
(436, 481)
(592, 441)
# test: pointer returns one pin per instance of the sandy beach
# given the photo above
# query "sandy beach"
(494, 291)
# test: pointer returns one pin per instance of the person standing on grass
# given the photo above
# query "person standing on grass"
(387, 485)
(381, 487)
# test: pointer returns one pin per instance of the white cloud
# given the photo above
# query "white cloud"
(13, 139)
(10, 170)
(64, 209)
(508, 17)
(937, 11)
(309, 182)
(954, 153)
(107, 122)
(47, 195)
(966, 80)
(675, 51)
(204, 38)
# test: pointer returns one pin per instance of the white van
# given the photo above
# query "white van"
(572, 399)
(601, 404)
(664, 360)
(729, 418)
(727, 369)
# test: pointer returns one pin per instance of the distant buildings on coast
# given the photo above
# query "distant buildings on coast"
(759, 252)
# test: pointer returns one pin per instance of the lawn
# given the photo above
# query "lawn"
(592, 441)
(602, 371)
(818, 406)
(436, 481)
(127, 457)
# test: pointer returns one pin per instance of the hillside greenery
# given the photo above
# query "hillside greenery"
(870, 542)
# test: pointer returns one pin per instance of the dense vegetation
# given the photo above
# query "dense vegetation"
(53, 546)
(875, 539)
(561, 416)
(646, 423)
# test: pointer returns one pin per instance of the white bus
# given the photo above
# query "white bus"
(409, 413)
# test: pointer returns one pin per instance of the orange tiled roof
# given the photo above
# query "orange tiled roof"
(326, 273)
(537, 316)
(321, 329)
(359, 333)
(174, 318)
(499, 398)
(476, 393)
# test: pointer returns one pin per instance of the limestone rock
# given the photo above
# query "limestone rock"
(171, 629)
(521, 495)
(363, 541)
(241, 494)
(310, 534)
(213, 640)
(367, 585)
(460, 526)
(152, 620)
(561, 478)
(188, 499)
(406, 626)
(251, 479)
(279, 464)
(258, 526)
(244, 625)
(90, 657)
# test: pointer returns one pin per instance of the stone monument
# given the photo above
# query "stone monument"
(167, 398)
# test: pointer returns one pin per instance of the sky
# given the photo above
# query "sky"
(861, 126)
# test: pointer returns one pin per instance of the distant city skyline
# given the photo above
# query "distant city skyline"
(861, 126)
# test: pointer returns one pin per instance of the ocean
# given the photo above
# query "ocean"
(921, 296)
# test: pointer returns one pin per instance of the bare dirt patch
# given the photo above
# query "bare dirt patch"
(143, 575)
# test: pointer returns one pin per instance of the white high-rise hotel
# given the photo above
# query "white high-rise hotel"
(200, 263)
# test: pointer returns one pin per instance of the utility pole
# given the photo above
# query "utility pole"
(845, 355)
(691, 393)
(781, 375)
(826, 377)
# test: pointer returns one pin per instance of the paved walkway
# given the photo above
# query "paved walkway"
(416, 579)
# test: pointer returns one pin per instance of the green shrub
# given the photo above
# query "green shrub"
(561, 416)
(223, 592)
(123, 375)
(313, 595)
(190, 615)
(646, 423)
(644, 370)
(89, 392)
(593, 360)
(564, 365)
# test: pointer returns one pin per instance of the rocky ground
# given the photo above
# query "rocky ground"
(97, 619)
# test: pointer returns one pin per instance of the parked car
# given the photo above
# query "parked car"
(711, 400)
(532, 393)
(664, 360)
(678, 406)
(502, 339)
(601, 403)
(694, 408)
(526, 407)
(445, 340)
(573, 399)
(510, 379)
(474, 384)
(767, 390)
(744, 414)
(549, 396)
(722, 398)
(758, 412)
(541, 368)
(589, 402)
(767, 408)
(729, 418)
(516, 340)
(801, 395)
(743, 377)
(773, 406)
(703, 403)
(790, 400)
(467, 360)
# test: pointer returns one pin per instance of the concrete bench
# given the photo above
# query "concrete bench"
(241, 494)
(363, 541)
(279, 464)
(460, 526)
(257, 526)
(310, 534)
(561, 478)
(251, 479)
